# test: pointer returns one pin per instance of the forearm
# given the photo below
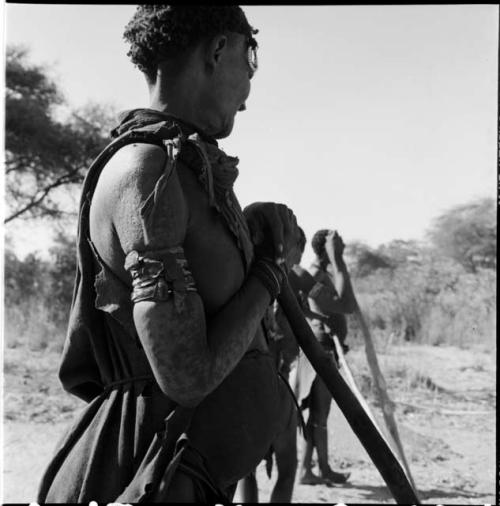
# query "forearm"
(288, 344)
(191, 357)
(232, 329)
(342, 283)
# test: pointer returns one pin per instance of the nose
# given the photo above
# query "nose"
(243, 107)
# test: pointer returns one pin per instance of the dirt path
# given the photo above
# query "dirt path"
(446, 415)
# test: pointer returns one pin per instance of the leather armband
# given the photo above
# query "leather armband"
(160, 276)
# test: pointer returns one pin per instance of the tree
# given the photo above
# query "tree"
(43, 153)
(61, 270)
(363, 260)
(399, 252)
(23, 279)
(467, 233)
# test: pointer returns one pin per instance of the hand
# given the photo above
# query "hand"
(334, 246)
(273, 231)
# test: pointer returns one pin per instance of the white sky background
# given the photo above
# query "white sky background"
(368, 119)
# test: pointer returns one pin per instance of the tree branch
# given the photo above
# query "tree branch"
(35, 201)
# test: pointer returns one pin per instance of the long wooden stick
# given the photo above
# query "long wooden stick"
(369, 436)
(348, 376)
(380, 386)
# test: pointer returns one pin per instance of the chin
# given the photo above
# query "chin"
(225, 131)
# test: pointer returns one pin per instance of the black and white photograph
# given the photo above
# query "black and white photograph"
(250, 253)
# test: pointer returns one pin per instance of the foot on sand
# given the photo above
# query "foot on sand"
(311, 479)
(335, 477)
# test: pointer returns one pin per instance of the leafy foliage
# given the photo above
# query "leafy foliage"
(43, 153)
(467, 233)
(432, 300)
(363, 260)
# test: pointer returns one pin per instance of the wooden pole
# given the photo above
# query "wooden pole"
(368, 434)
(380, 386)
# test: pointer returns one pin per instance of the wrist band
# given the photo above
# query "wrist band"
(269, 275)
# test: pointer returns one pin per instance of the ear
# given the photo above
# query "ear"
(216, 49)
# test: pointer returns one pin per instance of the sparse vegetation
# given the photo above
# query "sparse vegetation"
(38, 297)
(409, 292)
(440, 292)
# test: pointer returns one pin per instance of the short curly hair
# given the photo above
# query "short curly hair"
(318, 242)
(158, 32)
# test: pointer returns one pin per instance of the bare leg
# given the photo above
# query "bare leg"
(181, 489)
(249, 489)
(322, 401)
(319, 406)
(307, 477)
(285, 449)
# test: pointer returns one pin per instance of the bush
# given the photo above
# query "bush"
(464, 314)
(38, 296)
(433, 301)
(468, 234)
(29, 324)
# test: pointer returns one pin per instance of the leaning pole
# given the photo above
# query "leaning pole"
(380, 386)
(370, 437)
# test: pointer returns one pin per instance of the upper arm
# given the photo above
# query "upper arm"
(150, 220)
(323, 297)
(301, 279)
(151, 211)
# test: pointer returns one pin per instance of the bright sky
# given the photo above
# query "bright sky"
(368, 119)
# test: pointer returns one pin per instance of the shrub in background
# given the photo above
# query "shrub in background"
(38, 296)
(432, 301)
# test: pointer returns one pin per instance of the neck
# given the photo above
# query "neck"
(322, 262)
(181, 98)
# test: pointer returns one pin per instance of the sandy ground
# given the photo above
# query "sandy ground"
(445, 399)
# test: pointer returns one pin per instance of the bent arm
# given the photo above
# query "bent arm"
(189, 356)
(342, 282)
(332, 292)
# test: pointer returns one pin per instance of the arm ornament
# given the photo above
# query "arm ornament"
(270, 275)
(160, 275)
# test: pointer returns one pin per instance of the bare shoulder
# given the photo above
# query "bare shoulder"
(134, 167)
(139, 198)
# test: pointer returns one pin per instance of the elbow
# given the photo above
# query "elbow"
(188, 393)
(347, 306)
(181, 397)
(188, 401)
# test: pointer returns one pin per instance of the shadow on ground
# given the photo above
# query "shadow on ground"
(380, 494)
(450, 493)
(367, 493)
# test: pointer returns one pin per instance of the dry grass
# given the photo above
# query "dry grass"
(29, 325)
